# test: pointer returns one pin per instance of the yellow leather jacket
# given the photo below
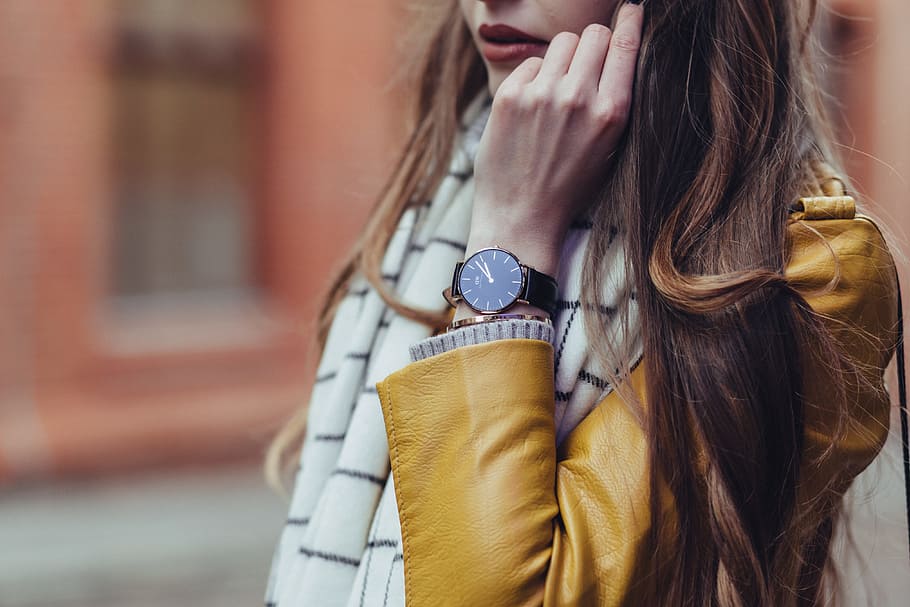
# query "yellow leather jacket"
(493, 514)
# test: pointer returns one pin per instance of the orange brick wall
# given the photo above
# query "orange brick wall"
(83, 392)
(51, 187)
(886, 103)
(336, 126)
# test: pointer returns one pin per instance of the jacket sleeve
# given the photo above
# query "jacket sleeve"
(488, 516)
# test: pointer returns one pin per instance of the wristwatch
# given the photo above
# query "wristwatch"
(492, 280)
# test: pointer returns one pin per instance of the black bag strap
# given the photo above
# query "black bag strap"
(902, 397)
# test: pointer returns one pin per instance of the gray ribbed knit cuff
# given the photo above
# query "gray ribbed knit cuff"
(482, 333)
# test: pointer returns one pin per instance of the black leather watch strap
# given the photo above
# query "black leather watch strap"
(456, 288)
(541, 291)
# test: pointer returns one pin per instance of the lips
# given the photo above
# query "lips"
(504, 44)
(503, 34)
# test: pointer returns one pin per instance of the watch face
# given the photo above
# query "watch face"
(490, 280)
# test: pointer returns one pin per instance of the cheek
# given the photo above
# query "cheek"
(467, 12)
(575, 16)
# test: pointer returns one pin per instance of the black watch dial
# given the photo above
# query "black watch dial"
(490, 280)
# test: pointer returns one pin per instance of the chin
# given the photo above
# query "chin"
(494, 80)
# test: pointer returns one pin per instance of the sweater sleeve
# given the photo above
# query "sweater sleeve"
(481, 333)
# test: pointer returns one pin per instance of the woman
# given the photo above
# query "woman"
(672, 400)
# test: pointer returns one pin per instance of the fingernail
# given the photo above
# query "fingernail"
(633, 1)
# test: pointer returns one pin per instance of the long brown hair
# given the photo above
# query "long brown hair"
(726, 125)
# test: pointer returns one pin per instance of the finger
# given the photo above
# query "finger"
(525, 72)
(590, 56)
(622, 56)
(558, 57)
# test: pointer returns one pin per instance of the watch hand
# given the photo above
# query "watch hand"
(482, 270)
(486, 270)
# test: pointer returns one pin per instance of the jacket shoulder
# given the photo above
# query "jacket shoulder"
(839, 262)
(836, 257)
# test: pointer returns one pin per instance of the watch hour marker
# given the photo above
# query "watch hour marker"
(516, 282)
(516, 269)
(494, 255)
(500, 304)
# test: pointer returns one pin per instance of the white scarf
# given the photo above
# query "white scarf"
(341, 545)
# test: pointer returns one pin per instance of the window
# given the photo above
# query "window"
(185, 143)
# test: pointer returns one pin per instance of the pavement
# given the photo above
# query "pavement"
(196, 537)
(204, 538)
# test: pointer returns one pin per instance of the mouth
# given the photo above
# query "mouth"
(503, 44)
(503, 34)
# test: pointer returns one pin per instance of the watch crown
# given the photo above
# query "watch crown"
(451, 299)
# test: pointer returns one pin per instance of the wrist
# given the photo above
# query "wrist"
(541, 253)
(541, 226)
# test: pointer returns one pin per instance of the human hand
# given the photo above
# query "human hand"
(553, 126)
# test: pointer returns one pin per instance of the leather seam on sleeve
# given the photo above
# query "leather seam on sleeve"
(393, 453)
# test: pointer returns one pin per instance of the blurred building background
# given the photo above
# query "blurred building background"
(177, 180)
